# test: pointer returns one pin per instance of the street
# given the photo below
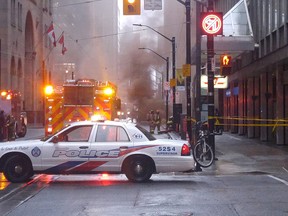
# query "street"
(249, 178)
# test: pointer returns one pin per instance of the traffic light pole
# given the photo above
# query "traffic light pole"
(173, 60)
(187, 5)
(167, 80)
(210, 57)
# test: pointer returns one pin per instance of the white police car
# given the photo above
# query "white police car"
(96, 147)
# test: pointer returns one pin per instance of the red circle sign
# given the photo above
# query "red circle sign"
(212, 24)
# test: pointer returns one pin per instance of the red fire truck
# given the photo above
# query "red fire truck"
(79, 100)
(11, 104)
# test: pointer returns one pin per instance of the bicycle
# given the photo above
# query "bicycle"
(202, 152)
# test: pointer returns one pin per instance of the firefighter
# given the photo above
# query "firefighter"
(158, 120)
(2, 125)
(151, 120)
(11, 127)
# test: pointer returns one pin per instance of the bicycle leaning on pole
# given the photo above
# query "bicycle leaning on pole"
(202, 152)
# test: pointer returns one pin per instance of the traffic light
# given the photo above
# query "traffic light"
(131, 7)
(225, 65)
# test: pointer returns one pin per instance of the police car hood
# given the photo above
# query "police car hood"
(24, 143)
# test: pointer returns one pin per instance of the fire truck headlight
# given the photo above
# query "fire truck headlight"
(108, 91)
(49, 90)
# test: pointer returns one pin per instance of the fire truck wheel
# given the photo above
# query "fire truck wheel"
(18, 169)
(138, 168)
(22, 132)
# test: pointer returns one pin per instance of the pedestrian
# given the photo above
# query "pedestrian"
(11, 127)
(158, 120)
(218, 127)
(2, 125)
(151, 120)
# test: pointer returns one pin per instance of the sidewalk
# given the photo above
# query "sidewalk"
(238, 155)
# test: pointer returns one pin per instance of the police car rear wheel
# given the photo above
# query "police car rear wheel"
(138, 169)
(17, 169)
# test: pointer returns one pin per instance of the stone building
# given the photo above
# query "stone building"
(25, 51)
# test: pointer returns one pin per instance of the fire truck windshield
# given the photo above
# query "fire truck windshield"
(78, 95)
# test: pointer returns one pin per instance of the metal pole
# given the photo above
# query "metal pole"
(173, 59)
(167, 79)
(210, 56)
(188, 61)
(167, 94)
(198, 65)
(174, 71)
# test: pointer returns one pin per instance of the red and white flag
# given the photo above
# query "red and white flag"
(51, 34)
(61, 41)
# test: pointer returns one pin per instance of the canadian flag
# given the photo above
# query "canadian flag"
(51, 34)
(61, 41)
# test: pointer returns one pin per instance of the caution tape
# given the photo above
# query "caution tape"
(250, 122)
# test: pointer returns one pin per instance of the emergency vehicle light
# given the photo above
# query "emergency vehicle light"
(6, 95)
(108, 91)
(49, 90)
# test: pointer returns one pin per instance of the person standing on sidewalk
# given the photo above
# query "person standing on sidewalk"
(158, 120)
(2, 125)
(151, 120)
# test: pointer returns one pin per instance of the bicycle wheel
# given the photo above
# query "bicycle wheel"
(203, 154)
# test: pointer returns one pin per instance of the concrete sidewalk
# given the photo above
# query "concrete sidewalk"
(238, 155)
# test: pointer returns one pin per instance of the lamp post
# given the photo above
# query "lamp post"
(167, 78)
(173, 58)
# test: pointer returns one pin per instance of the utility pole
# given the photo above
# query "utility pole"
(187, 5)
(210, 57)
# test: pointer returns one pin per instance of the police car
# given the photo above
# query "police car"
(95, 147)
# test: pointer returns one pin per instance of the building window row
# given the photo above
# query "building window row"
(18, 14)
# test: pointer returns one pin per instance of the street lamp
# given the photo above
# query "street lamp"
(167, 79)
(173, 58)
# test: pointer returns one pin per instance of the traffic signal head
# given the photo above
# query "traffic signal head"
(131, 7)
(226, 61)
(225, 65)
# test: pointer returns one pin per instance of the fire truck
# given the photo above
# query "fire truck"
(11, 104)
(79, 100)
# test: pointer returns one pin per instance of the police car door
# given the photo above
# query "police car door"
(68, 152)
(111, 141)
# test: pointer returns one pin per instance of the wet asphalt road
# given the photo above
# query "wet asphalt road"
(249, 178)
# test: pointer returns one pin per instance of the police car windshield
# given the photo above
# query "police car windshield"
(49, 136)
(146, 133)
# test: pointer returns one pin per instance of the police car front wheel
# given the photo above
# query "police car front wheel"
(17, 169)
(138, 169)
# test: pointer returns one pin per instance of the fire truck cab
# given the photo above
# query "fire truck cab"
(79, 100)
(16, 118)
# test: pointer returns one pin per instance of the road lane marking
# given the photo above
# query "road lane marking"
(278, 179)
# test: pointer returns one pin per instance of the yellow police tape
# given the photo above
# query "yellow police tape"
(246, 122)
(256, 122)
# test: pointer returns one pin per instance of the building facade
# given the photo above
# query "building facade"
(256, 102)
(24, 51)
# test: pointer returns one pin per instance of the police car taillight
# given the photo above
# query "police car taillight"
(185, 151)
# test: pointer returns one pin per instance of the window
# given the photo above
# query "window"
(13, 13)
(109, 133)
(20, 16)
(76, 134)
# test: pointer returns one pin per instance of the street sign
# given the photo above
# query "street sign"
(219, 82)
(212, 23)
(186, 70)
(152, 4)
